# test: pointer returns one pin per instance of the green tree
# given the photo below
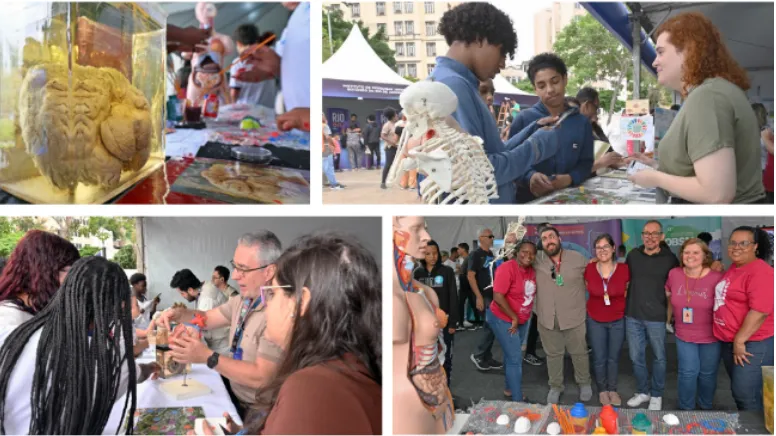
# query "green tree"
(411, 79)
(340, 29)
(8, 242)
(125, 257)
(88, 250)
(26, 223)
(525, 85)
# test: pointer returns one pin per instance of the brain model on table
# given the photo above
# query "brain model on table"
(85, 127)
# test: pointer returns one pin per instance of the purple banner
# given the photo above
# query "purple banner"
(581, 237)
(369, 90)
(523, 100)
(338, 119)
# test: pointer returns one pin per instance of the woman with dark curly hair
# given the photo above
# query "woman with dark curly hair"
(37, 267)
(711, 152)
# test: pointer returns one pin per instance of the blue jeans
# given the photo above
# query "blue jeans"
(328, 170)
(606, 339)
(639, 333)
(513, 355)
(485, 347)
(698, 364)
(746, 381)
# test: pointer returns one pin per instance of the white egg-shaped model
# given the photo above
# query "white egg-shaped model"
(553, 428)
(502, 420)
(522, 425)
(671, 419)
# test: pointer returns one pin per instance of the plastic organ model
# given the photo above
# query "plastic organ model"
(454, 161)
(86, 128)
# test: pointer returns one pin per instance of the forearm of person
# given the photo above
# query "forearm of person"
(752, 323)
(714, 181)
(501, 300)
(522, 135)
(253, 374)
(584, 166)
(473, 284)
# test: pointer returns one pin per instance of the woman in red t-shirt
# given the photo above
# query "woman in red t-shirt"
(690, 291)
(514, 290)
(607, 284)
(743, 315)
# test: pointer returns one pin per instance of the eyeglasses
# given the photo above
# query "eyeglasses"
(487, 236)
(266, 291)
(246, 270)
(603, 248)
(552, 271)
(651, 234)
(742, 245)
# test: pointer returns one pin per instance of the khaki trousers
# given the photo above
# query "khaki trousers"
(555, 343)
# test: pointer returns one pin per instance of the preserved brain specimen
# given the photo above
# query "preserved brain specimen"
(85, 126)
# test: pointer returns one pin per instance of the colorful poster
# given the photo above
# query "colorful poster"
(676, 231)
(581, 237)
(338, 119)
(639, 132)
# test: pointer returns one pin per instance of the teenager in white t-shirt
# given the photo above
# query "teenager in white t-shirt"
(85, 333)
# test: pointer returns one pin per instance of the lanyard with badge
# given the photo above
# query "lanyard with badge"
(687, 316)
(247, 307)
(605, 282)
(555, 269)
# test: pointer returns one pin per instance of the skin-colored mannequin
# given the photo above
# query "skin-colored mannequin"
(410, 415)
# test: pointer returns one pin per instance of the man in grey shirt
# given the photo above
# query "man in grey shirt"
(561, 312)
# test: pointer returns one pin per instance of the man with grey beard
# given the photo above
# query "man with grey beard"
(561, 312)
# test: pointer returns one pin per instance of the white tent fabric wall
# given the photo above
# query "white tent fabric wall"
(356, 61)
(200, 244)
(502, 86)
(449, 231)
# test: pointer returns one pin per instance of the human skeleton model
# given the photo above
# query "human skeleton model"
(514, 228)
(454, 161)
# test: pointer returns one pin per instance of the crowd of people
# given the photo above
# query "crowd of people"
(716, 150)
(578, 305)
(71, 328)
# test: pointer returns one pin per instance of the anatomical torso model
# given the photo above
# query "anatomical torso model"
(457, 169)
(422, 403)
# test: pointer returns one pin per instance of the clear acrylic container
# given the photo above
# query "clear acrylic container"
(82, 98)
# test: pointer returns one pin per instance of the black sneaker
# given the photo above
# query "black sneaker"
(341, 185)
(481, 364)
(495, 364)
(382, 186)
(533, 360)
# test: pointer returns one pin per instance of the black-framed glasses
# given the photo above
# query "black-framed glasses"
(246, 270)
(651, 234)
(742, 244)
(487, 236)
(552, 271)
(603, 248)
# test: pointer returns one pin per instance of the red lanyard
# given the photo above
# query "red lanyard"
(687, 284)
(605, 281)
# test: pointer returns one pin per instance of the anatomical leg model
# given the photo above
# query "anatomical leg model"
(85, 127)
(515, 232)
(422, 403)
(454, 161)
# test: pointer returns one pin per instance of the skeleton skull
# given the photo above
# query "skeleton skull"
(454, 161)
(85, 127)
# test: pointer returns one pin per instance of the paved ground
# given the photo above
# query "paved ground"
(470, 385)
(363, 187)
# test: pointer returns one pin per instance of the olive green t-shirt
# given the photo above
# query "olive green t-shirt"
(716, 115)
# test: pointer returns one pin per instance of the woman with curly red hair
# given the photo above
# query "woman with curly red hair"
(34, 272)
(711, 152)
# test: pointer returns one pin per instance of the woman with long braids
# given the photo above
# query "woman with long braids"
(62, 371)
(37, 267)
(743, 315)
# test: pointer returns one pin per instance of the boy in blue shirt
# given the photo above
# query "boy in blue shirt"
(480, 37)
(573, 161)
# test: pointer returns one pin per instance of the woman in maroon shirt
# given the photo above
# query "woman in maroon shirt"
(607, 284)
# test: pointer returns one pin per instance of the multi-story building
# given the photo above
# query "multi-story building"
(411, 28)
(549, 22)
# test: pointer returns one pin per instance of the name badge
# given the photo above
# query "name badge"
(606, 300)
(238, 354)
(687, 315)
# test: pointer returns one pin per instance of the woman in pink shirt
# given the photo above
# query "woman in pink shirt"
(743, 315)
(514, 290)
(690, 290)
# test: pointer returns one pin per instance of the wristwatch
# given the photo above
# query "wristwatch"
(212, 361)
